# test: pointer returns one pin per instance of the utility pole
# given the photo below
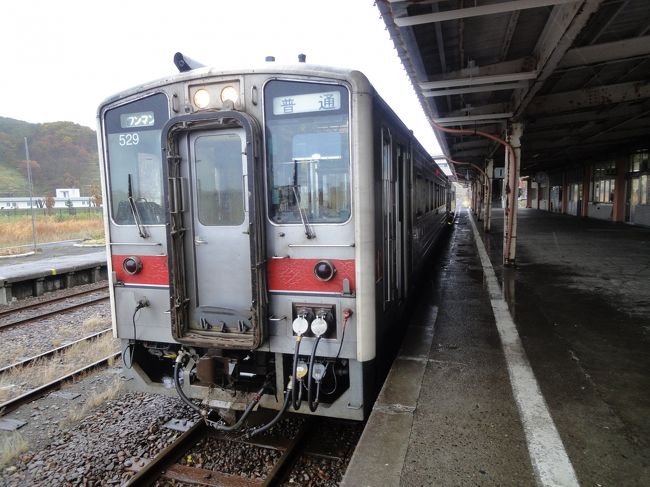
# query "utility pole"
(31, 193)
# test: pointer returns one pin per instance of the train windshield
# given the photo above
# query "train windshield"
(133, 146)
(307, 152)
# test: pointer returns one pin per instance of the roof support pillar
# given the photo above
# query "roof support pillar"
(618, 212)
(489, 171)
(512, 184)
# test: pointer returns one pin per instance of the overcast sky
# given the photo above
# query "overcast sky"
(62, 58)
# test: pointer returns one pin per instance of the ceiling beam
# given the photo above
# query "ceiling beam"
(476, 89)
(478, 80)
(440, 43)
(471, 153)
(605, 52)
(486, 109)
(472, 70)
(463, 13)
(509, 33)
(490, 117)
(602, 96)
(411, 57)
(471, 144)
(562, 27)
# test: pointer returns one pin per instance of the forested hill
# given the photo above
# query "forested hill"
(64, 155)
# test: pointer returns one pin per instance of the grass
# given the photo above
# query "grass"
(15, 381)
(96, 399)
(16, 228)
(10, 447)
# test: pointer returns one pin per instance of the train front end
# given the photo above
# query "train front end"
(240, 239)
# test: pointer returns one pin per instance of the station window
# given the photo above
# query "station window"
(603, 182)
(639, 161)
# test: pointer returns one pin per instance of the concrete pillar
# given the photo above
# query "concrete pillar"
(5, 293)
(96, 275)
(38, 287)
(510, 220)
(618, 212)
(69, 280)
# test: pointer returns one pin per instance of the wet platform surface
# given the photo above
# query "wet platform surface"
(580, 299)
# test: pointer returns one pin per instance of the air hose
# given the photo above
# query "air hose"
(177, 383)
(296, 395)
(285, 406)
(203, 412)
(249, 408)
(313, 405)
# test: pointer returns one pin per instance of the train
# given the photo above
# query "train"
(265, 229)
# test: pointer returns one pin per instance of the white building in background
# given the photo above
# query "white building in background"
(65, 198)
(67, 193)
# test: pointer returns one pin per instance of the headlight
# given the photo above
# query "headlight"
(202, 98)
(229, 93)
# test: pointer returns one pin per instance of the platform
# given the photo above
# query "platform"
(545, 384)
(37, 275)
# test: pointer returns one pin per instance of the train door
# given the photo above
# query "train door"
(217, 285)
(221, 250)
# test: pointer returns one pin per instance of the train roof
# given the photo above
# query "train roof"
(357, 79)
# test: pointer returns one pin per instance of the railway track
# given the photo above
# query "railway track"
(6, 314)
(28, 361)
(288, 453)
(36, 392)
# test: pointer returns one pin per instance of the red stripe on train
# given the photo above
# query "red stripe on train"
(154, 270)
(298, 275)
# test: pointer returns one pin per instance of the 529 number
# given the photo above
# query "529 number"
(129, 139)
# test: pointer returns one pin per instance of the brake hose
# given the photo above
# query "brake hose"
(249, 408)
(285, 406)
(313, 405)
(177, 384)
(296, 396)
(204, 413)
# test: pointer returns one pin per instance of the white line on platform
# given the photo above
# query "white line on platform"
(551, 464)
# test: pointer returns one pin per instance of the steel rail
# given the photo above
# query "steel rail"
(18, 308)
(152, 470)
(53, 312)
(54, 351)
(163, 465)
(12, 404)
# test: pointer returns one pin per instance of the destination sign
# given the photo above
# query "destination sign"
(312, 102)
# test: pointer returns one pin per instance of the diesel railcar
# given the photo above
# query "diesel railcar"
(265, 229)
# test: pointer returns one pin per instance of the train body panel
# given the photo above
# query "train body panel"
(253, 213)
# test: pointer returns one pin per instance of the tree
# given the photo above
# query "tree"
(49, 203)
(96, 194)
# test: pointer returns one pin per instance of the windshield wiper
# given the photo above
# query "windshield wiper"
(134, 210)
(309, 231)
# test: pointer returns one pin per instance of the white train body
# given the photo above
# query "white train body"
(238, 204)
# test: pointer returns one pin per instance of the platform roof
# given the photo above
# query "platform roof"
(575, 72)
